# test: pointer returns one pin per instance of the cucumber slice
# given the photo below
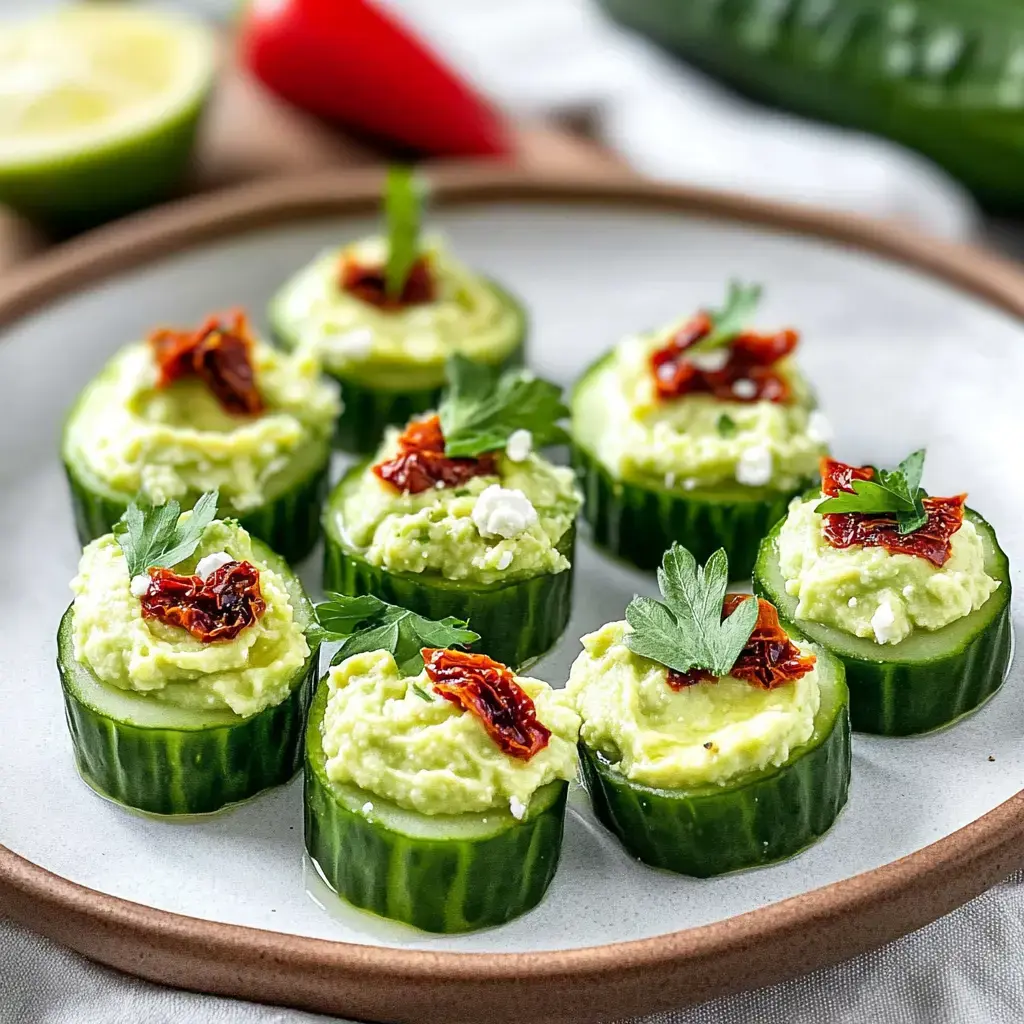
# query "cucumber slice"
(928, 680)
(288, 521)
(518, 621)
(373, 401)
(754, 820)
(638, 519)
(167, 760)
(440, 873)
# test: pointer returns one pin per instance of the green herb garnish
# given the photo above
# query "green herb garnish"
(726, 425)
(895, 491)
(481, 409)
(729, 321)
(687, 631)
(403, 210)
(154, 539)
(369, 624)
(421, 693)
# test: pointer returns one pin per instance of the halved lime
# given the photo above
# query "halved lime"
(98, 109)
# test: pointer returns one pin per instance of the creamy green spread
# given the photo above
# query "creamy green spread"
(356, 338)
(177, 442)
(491, 528)
(708, 733)
(868, 592)
(430, 755)
(254, 671)
(697, 440)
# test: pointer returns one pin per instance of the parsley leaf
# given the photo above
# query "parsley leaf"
(153, 538)
(368, 624)
(686, 632)
(896, 491)
(481, 409)
(729, 321)
(726, 425)
(403, 209)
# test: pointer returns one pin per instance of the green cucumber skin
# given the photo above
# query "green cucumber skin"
(638, 523)
(367, 411)
(774, 815)
(185, 771)
(951, 95)
(442, 885)
(890, 698)
(290, 524)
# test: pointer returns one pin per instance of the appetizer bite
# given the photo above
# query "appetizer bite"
(435, 779)
(712, 739)
(210, 408)
(456, 515)
(911, 592)
(185, 662)
(386, 313)
(700, 433)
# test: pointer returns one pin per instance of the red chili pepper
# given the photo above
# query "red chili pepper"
(351, 62)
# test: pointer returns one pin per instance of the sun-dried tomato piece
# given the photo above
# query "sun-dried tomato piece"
(489, 690)
(367, 282)
(768, 660)
(845, 529)
(217, 608)
(750, 364)
(421, 462)
(219, 353)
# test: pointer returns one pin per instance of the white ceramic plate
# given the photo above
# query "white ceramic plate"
(900, 360)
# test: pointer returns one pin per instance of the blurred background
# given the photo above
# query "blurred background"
(909, 110)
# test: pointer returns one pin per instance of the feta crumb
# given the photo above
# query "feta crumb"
(207, 566)
(140, 585)
(689, 483)
(710, 362)
(503, 512)
(505, 560)
(882, 622)
(439, 484)
(517, 807)
(754, 468)
(670, 479)
(819, 427)
(357, 343)
(852, 603)
(744, 388)
(908, 590)
(367, 807)
(519, 445)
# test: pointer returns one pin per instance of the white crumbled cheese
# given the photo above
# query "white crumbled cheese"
(819, 427)
(908, 590)
(367, 807)
(710, 362)
(744, 388)
(356, 343)
(754, 467)
(882, 623)
(517, 807)
(140, 585)
(670, 479)
(689, 483)
(207, 566)
(503, 512)
(852, 603)
(505, 560)
(519, 445)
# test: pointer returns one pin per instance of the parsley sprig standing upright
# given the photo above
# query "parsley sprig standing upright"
(732, 319)
(403, 212)
(895, 492)
(687, 631)
(155, 539)
(481, 410)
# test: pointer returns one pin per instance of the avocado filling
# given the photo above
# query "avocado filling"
(399, 739)
(707, 733)
(125, 649)
(869, 592)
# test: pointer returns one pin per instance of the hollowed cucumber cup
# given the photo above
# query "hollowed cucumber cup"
(926, 681)
(382, 396)
(756, 819)
(167, 760)
(518, 621)
(439, 873)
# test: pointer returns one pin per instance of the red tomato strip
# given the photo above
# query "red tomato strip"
(421, 462)
(219, 353)
(488, 689)
(768, 660)
(217, 608)
(845, 529)
(751, 359)
(366, 282)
